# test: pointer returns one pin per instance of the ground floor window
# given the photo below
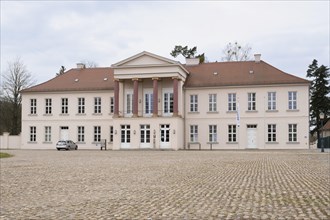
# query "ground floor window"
(81, 133)
(193, 133)
(111, 134)
(232, 133)
(292, 132)
(33, 134)
(212, 133)
(145, 134)
(271, 133)
(125, 134)
(48, 134)
(97, 133)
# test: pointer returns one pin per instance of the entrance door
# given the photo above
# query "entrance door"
(252, 136)
(164, 136)
(125, 136)
(145, 136)
(64, 133)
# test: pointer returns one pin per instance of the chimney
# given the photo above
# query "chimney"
(192, 61)
(81, 66)
(257, 58)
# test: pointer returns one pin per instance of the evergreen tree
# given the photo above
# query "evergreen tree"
(187, 53)
(319, 95)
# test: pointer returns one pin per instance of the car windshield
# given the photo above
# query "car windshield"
(61, 142)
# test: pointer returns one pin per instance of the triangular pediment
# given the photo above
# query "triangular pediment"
(144, 59)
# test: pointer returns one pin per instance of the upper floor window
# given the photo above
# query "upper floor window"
(271, 133)
(232, 102)
(271, 101)
(193, 103)
(292, 100)
(33, 106)
(48, 109)
(33, 133)
(129, 103)
(193, 133)
(251, 101)
(148, 103)
(64, 105)
(232, 133)
(212, 133)
(48, 134)
(112, 105)
(97, 105)
(168, 102)
(81, 105)
(292, 132)
(212, 102)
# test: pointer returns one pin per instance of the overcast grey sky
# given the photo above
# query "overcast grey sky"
(47, 35)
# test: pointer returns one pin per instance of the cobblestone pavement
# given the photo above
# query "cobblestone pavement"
(152, 185)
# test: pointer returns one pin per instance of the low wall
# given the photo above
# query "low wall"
(10, 141)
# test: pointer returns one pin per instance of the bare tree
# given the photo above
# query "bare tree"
(16, 78)
(236, 52)
(61, 71)
(89, 64)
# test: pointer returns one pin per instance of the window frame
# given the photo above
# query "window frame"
(213, 102)
(48, 106)
(252, 101)
(48, 134)
(64, 105)
(271, 133)
(292, 133)
(97, 134)
(81, 105)
(232, 102)
(213, 136)
(271, 101)
(193, 134)
(232, 133)
(33, 134)
(81, 134)
(292, 100)
(97, 105)
(33, 106)
(193, 103)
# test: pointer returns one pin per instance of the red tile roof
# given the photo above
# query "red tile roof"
(238, 74)
(202, 75)
(326, 127)
(78, 80)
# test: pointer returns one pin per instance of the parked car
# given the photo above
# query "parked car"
(66, 145)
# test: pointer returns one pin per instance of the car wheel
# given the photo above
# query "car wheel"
(76, 148)
(58, 149)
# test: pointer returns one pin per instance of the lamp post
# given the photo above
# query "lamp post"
(321, 119)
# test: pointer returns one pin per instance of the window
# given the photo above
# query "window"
(271, 133)
(33, 134)
(251, 101)
(33, 106)
(97, 133)
(292, 100)
(112, 105)
(193, 133)
(212, 102)
(168, 103)
(81, 105)
(125, 134)
(212, 133)
(129, 103)
(48, 134)
(271, 100)
(232, 102)
(97, 105)
(292, 132)
(145, 134)
(193, 103)
(64, 106)
(111, 134)
(148, 103)
(232, 133)
(81, 134)
(48, 109)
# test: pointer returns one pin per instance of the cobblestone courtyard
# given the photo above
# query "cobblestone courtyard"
(165, 185)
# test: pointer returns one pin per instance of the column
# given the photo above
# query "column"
(116, 107)
(135, 97)
(155, 97)
(175, 96)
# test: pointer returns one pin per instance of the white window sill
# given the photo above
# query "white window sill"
(235, 142)
(231, 112)
(212, 112)
(80, 142)
(251, 111)
(271, 110)
(97, 114)
(212, 143)
(64, 114)
(47, 142)
(193, 112)
(33, 115)
(80, 114)
(47, 114)
(272, 142)
(292, 110)
(295, 142)
(32, 142)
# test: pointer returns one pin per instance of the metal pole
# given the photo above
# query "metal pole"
(322, 145)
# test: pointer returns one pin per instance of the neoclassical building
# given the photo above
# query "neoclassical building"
(150, 102)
